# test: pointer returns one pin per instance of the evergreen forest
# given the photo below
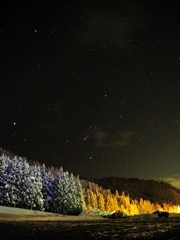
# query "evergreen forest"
(30, 185)
(36, 187)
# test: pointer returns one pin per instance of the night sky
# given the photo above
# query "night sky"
(93, 86)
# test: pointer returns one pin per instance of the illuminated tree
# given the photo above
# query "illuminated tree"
(36, 195)
(67, 194)
(76, 195)
(47, 184)
(4, 185)
(92, 199)
(147, 207)
(30, 196)
(100, 201)
(58, 192)
(134, 207)
(111, 202)
(88, 199)
(22, 185)
(13, 182)
(13, 188)
(79, 190)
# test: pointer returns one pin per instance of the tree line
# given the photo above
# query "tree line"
(33, 186)
(95, 197)
(36, 187)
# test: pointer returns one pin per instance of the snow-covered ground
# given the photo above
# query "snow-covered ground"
(88, 225)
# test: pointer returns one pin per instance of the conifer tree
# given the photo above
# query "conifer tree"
(35, 188)
(47, 184)
(101, 201)
(75, 196)
(109, 204)
(58, 192)
(79, 200)
(13, 179)
(24, 168)
(67, 194)
(91, 199)
(4, 185)
(30, 186)
(66, 199)
(88, 199)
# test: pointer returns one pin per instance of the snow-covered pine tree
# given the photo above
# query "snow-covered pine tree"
(4, 162)
(30, 187)
(67, 195)
(13, 180)
(74, 197)
(79, 196)
(35, 189)
(29, 184)
(58, 192)
(47, 184)
(24, 170)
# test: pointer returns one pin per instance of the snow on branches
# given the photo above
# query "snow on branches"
(36, 187)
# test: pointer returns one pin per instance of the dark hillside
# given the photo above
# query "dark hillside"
(151, 190)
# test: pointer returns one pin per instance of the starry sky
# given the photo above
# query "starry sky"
(93, 86)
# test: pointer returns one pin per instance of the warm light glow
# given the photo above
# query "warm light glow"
(174, 209)
(114, 202)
